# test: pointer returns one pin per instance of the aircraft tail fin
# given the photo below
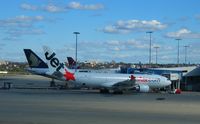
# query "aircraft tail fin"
(57, 68)
(71, 61)
(53, 62)
(34, 61)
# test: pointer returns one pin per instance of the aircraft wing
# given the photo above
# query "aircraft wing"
(126, 84)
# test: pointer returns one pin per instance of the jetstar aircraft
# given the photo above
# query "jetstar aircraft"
(104, 81)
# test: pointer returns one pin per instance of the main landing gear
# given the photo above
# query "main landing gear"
(106, 91)
(52, 83)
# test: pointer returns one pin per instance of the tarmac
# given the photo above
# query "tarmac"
(53, 106)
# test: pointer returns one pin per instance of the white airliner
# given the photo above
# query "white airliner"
(104, 81)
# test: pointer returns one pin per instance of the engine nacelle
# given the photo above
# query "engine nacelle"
(142, 88)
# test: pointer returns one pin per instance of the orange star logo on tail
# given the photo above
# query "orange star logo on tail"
(69, 76)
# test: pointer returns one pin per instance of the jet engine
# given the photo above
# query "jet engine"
(142, 88)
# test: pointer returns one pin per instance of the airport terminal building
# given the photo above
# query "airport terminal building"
(191, 81)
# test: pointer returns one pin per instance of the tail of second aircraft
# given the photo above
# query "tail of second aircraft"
(57, 68)
(72, 63)
(34, 61)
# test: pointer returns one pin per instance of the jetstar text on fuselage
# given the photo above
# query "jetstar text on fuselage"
(54, 61)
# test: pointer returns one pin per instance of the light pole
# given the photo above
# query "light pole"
(76, 33)
(156, 47)
(150, 32)
(178, 39)
(186, 46)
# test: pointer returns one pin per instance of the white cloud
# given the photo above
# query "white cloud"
(121, 56)
(126, 45)
(183, 33)
(20, 21)
(137, 44)
(110, 29)
(21, 25)
(77, 5)
(26, 6)
(54, 8)
(113, 42)
(165, 57)
(115, 48)
(134, 26)
(168, 48)
(23, 18)
(11, 38)
(20, 32)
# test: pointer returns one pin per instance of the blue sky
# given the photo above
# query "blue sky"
(109, 29)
